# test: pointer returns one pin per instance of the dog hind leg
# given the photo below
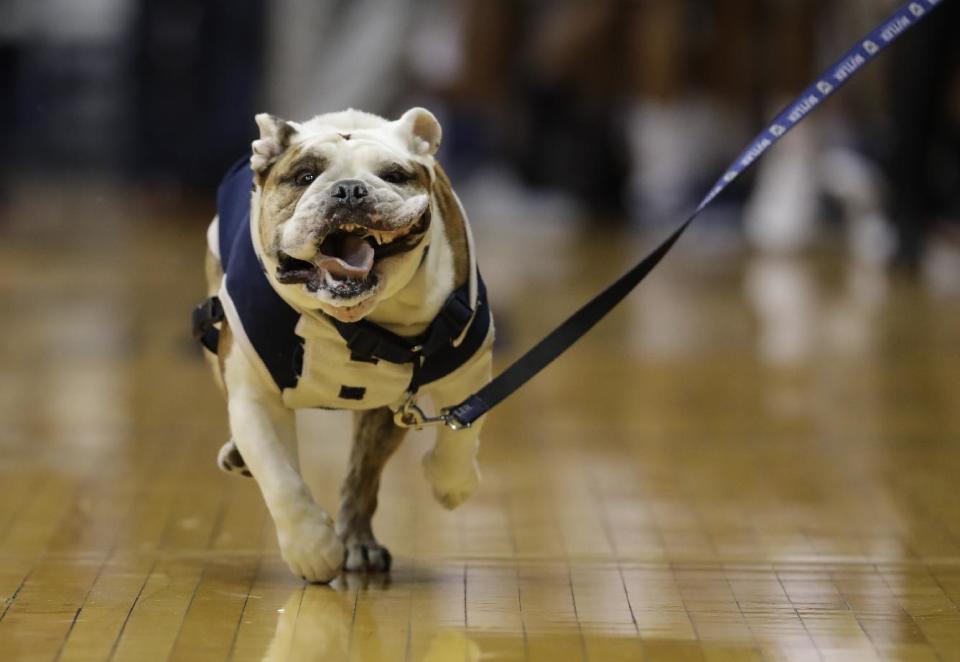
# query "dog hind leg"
(375, 438)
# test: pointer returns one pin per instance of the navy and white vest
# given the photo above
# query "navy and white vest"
(315, 360)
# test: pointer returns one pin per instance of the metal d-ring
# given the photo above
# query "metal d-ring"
(410, 416)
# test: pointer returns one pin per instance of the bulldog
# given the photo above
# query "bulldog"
(341, 275)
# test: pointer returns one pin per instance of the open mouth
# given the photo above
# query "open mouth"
(346, 256)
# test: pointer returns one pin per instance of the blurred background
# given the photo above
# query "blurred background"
(781, 393)
(610, 113)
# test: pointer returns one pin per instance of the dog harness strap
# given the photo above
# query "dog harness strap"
(204, 317)
(449, 324)
(565, 335)
(374, 342)
(433, 353)
(456, 335)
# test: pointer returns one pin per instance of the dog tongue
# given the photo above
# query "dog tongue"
(354, 261)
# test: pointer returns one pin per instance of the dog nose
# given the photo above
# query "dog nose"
(350, 191)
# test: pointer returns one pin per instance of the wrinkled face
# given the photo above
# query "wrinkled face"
(344, 208)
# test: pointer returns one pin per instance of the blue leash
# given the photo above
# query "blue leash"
(560, 339)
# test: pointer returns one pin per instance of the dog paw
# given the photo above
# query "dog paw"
(367, 556)
(231, 461)
(453, 482)
(311, 548)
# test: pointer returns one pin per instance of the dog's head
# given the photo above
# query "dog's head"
(342, 205)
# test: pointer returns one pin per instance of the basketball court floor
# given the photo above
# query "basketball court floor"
(755, 459)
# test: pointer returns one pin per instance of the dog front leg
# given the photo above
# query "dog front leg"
(451, 465)
(264, 431)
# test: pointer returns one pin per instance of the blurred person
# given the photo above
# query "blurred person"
(538, 86)
(63, 82)
(629, 109)
(197, 67)
(9, 56)
(571, 133)
(137, 88)
(782, 208)
(686, 110)
(328, 55)
(459, 61)
(830, 156)
(707, 76)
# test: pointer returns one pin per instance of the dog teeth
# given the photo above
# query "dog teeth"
(378, 237)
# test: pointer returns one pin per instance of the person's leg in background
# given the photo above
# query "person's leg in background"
(572, 101)
(8, 110)
(781, 213)
(694, 75)
(923, 74)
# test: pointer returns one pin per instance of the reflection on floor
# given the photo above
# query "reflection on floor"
(754, 459)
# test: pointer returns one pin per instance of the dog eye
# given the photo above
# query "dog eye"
(396, 175)
(304, 177)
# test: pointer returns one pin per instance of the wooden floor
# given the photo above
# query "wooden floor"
(753, 460)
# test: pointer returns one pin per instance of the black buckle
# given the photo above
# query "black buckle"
(449, 323)
(378, 345)
(204, 317)
(457, 311)
(364, 344)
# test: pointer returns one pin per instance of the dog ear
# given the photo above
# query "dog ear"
(454, 224)
(275, 135)
(422, 130)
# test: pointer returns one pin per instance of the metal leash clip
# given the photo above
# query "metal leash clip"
(410, 416)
